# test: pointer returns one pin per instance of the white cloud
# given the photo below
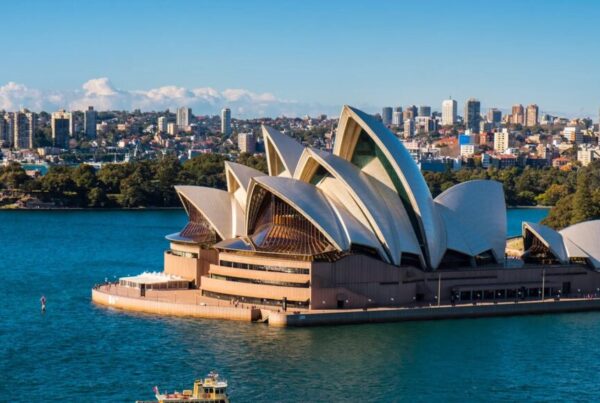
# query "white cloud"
(103, 95)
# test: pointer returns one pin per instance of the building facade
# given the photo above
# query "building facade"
(386, 115)
(449, 111)
(472, 115)
(23, 129)
(247, 143)
(62, 128)
(89, 122)
(532, 115)
(226, 121)
(184, 116)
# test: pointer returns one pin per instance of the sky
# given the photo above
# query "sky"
(267, 58)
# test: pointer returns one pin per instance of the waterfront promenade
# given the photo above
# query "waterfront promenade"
(190, 303)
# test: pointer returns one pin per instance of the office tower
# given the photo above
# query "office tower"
(184, 116)
(162, 124)
(62, 128)
(410, 112)
(502, 141)
(226, 121)
(409, 128)
(494, 116)
(23, 129)
(424, 110)
(247, 143)
(449, 111)
(472, 115)
(386, 115)
(518, 115)
(397, 117)
(531, 116)
(89, 122)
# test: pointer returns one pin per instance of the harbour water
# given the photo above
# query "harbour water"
(79, 352)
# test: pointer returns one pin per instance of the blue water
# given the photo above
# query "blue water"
(80, 352)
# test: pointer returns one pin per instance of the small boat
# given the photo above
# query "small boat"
(211, 389)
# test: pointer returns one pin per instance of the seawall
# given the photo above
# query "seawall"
(172, 308)
(431, 313)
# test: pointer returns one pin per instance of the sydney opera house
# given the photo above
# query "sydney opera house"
(359, 228)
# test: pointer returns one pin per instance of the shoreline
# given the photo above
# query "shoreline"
(89, 208)
(255, 314)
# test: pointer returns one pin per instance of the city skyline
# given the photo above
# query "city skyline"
(302, 70)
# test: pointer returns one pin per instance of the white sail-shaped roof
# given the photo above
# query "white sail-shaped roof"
(549, 237)
(283, 152)
(308, 201)
(379, 206)
(586, 237)
(474, 215)
(216, 206)
(238, 178)
(394, 166)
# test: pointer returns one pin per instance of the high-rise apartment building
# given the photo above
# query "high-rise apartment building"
(161, 125)
(472, 114)
(397, 117)
(62, 128)
(409, 128)
(226, 121)
(518, 115)
(502, 140)
(5, 133)
(23, 128)
(494, 116)
(184, 116)
(247, 143)
(449, 111)
(386, 115)
(89, 122)
(532, 115)
(425, 110)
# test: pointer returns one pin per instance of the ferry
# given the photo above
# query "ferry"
(211, 389)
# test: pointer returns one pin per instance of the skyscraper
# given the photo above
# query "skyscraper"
(494, 116)
(397, 117)
(162, 124)
(247, 143)
(5, 130)
(449, 111)
(226, 121)
(184, 116)
(62, 128)
(386, 115)
(424, 110)
(531, 116)
(472, 114)
(23, 129)
(89, 122)
(518, 115)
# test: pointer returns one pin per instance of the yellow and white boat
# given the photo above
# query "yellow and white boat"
(211, 389)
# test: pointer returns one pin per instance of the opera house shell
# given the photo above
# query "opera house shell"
(351, 228)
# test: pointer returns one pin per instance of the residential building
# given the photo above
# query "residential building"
(502, 140)
(247, 143)
(184, 117)
(573, 134)
(467, 150)
(449, 111)
(588, 153)
(226, 121)
(518, 115)
(472, 114)
(161, 125)
(532, 115)
(409, 128)
(172, 129)
(62, 128)
(89, 122)
(23, 128)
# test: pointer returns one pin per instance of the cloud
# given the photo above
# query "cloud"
(102, 94)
